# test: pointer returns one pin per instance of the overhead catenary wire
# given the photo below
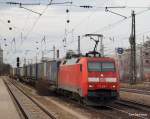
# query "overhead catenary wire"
(34, 25)
(7, 25)
(120, 21)
(36, 21)
(79, 6)
(44, 10)
(75, 5)
(67, 23)
(140, 33)
(15, 30)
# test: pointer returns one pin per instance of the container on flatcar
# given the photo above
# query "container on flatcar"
(41, 70)
(18, 72)
(11, 72)
(47, 76)
(52, 68)
(21, 72)
(14, 72)
(29, 71)
(34, 71)
(24, 71)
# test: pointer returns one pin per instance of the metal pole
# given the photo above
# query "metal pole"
(141, 67)
(79, 51)
(42, 54)
(133, 72)
(57, 53)
(54, 52)
(101, 46)
(21, 37)
(24, 61)
(36, 66)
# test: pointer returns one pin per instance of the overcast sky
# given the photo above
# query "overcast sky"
(52, 24)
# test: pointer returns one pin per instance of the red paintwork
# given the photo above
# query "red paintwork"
(104, 85)
(70, 76)
(73, 79)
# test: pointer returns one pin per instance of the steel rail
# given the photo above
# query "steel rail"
(134, 105)
(144, 92)
(16, 101)
(30, 98)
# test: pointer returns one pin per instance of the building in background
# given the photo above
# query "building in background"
(142, 60)
(1, 56)
(4, 68)
(146, 60)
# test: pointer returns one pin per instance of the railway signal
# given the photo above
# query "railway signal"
(18, 61)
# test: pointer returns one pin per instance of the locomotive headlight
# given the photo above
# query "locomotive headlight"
(112, 80)
(90, 86)
(113, 86)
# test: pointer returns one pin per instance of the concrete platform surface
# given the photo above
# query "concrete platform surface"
(7, 107)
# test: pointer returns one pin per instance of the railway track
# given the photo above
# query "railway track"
(29, 108)
(145, 92)
(108, 112)
(118, 111)
(104, 112)
(115, 112)
(121, 111)
(128, 114)
(134, 105)
(133, 109)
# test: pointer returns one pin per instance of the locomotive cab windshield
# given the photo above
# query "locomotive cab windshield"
(103, 70)
(101, 66)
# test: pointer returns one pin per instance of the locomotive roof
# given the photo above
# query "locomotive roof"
(100, 58)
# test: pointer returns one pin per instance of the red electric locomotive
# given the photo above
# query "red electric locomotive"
(94, 79)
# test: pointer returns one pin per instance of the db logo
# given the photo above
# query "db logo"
(102, 80)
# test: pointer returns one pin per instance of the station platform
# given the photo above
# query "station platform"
(7, 107)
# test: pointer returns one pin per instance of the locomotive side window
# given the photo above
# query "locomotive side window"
(108, 66)
(94, 66)
(64, 62)
(72, 61)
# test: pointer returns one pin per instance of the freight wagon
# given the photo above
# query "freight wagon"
(15, 73)
(48, 76)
